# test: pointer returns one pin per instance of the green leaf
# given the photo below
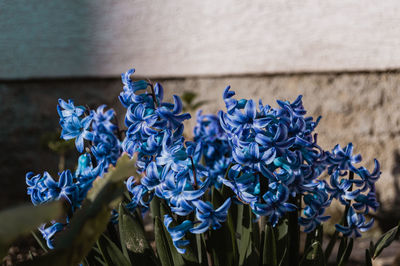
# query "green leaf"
(245, 234)
(346, 255)
(314, 256)
(269, 252)
(331, 245)
(166, 251)
(155, 208)
(124, 168)
(41, 242)
(309, 240)
(188, 97)
(189, 257)
(134, 244)
(239, 224)
(222, 241)
(95, 257)
(111, 253)
(368, 260)
(285, 253)
(253, 256)
(21, 220)
(371, 248)
(201, 250)
(165, 248)
(315, 235)
(385, 240)
(342, 249)
(293, 233)
(282, 246)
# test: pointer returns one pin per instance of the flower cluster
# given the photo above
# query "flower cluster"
(268, 157)
(80, 124)
(275, 155)
(170, 165)
(215, 149)
(276, 159)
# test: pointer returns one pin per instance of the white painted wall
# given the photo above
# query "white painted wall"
(71, 38)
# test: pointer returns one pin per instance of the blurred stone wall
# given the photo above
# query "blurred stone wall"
(362, 108)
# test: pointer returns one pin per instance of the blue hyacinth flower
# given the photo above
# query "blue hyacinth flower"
(78, 129)
(208, 216)
(68, 109)
(343, 159)
(154, 178)
(369, 178)
(49, 232)
(244, 186)
(64, 188)
(173, 117)
(341, 188)
(103, 119)
(181, 195)
(275, 205)
(178, 232)
(36, 188)
(140, 120)
(355, 224)
(366, 202)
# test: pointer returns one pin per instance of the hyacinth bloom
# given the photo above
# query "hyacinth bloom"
(137, 191)
(153, 178)
(178, 232)
(173, 118)
(180, 195)
(103, 119)
(76, 128)
(341, 189)
(267, 157)
(344, 159)
(208, 216)
(275, 203)
(316, 202)
(242, 186)
(64, 188)
(355, 224)
(49, 232)
(369, 178)
(67, 109)
(139, 119)
(36, 188)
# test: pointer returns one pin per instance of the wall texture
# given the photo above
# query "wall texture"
(359, 107)
(80, 38)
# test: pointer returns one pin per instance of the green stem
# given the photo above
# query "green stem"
(61, 162)
(194, 172)
(153, 94)
(343, 221)
(294, 232)
(351, 177)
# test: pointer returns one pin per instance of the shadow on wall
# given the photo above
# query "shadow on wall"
(389, 215)
(27, 113)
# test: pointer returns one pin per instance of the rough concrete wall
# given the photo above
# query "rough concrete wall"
(60, 38)
(359, 107)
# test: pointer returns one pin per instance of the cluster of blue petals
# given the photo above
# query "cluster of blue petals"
(93, 129)
(276, 159)
(268, 157)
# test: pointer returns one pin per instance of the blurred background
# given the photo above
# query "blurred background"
(343, 56)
